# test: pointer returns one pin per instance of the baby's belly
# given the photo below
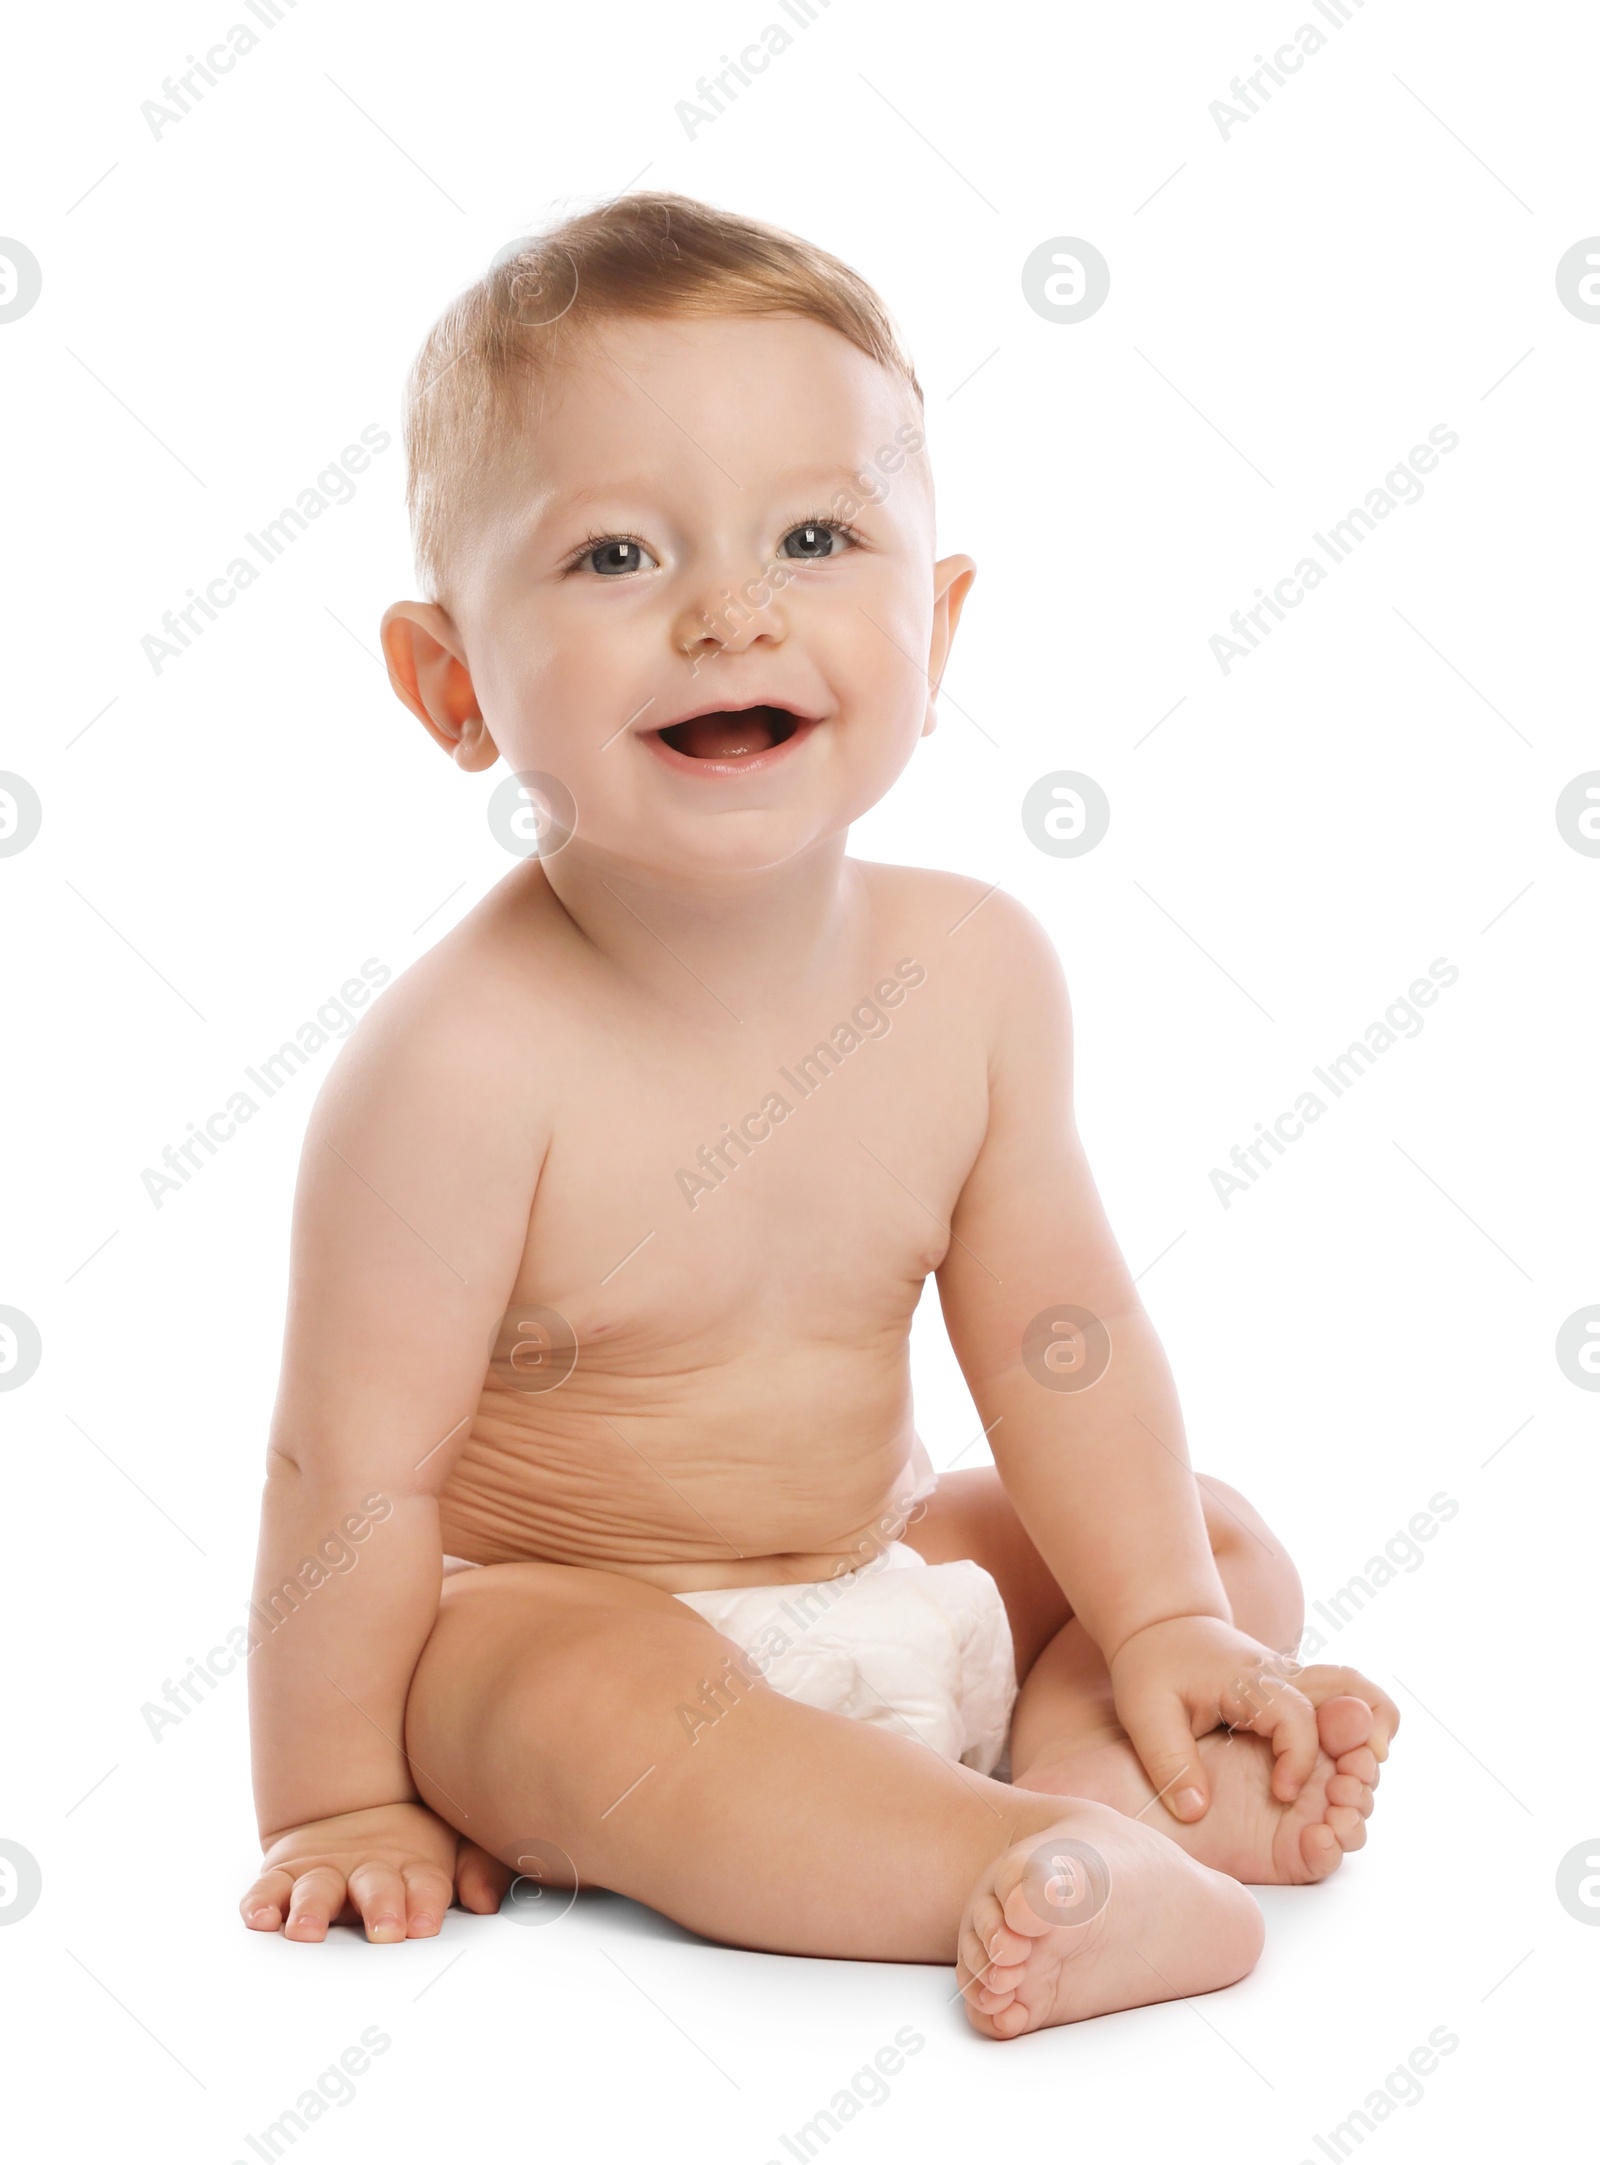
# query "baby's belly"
(774, 1471)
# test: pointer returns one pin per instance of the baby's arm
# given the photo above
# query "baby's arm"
(410, 1218)
(1099, 1475)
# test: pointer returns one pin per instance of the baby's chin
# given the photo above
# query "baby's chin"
(733, 844)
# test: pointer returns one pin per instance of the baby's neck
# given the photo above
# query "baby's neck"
(746, 936)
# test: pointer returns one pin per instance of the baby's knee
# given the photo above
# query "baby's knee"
(1232, 1521)
(1252, 1554)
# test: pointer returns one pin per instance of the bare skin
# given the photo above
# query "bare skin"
(544, 1112)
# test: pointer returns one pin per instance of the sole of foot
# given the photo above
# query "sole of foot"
(1094, 1915)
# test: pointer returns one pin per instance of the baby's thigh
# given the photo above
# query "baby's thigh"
(541, 1683)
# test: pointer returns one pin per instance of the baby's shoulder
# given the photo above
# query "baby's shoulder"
(972, 925)
(470, 1012)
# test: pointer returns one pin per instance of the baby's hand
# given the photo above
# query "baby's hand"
(1177, 1680)
(395, 1867)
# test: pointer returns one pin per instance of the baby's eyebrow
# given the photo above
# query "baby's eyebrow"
(626, 488)
(559, 502)
(823, 477)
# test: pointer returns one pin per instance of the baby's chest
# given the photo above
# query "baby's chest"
(815, 1188)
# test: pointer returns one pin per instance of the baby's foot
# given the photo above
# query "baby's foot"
(1247, 1832)
(1094, 1915)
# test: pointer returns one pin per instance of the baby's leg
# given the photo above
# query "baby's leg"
(1065, 1736)
(546, 1720)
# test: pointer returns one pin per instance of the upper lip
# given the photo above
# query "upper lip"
(730, 706)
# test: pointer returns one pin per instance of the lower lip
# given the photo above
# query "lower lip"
(746, 763)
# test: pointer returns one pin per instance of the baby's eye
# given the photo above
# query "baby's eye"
(615, 556)
(818, 539)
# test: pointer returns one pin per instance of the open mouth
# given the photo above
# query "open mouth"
(740, 734)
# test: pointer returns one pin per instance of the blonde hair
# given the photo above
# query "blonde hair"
(650, 254)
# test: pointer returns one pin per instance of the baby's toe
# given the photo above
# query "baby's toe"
(1362, 1763)
(1344, 1724)
(972, 1963)
(1024, 1921)
(1347, 1789)
(985, 1919)
(996, 1961)
(1010, 2020)
(998, 1989)
(987, 1942)
(1320, 1852)
(1349, 1828)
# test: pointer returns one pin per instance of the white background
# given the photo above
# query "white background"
(225, 842)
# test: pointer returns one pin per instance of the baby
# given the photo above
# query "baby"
(609, 1231)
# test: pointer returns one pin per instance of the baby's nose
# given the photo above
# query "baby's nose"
(724, 617)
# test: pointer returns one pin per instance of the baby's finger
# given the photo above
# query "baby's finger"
(379, 1893)
(317, 1899)
(1288, 1720)
(427, 1899)
(267, 1902)
(481, 1880)
(1158, 1726)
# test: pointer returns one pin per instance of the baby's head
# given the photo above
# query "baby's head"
(672, 506)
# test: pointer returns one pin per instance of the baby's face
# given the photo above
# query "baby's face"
(702, 591)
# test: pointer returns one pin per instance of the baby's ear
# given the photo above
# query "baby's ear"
(428, 669)
(952, 582)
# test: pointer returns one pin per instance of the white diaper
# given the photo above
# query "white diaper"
(916, 1648)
